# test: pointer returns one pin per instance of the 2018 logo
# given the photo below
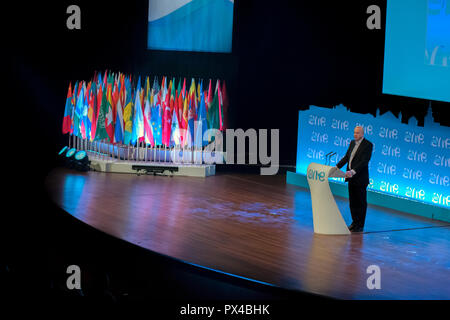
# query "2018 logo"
(316, 175)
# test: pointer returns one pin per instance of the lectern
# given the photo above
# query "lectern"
(327, 218)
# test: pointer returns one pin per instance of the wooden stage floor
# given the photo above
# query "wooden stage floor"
(260, 228)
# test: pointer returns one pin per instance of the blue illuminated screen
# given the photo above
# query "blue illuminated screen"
(190, 25)
(408, 160)
(417, 49)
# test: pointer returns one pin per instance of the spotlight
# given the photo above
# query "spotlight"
(62, 156)
(81, 161)
(70, 161)
(70, 152)
(63, 151)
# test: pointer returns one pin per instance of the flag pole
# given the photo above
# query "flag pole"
(137, 151)
(146, 150)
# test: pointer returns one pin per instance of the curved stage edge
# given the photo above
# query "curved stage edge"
(259, 229)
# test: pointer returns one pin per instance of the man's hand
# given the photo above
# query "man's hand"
(348, 174)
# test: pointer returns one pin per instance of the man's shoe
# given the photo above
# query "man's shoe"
(351, 227)
(357, 229)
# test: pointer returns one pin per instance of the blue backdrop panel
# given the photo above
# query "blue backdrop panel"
(408, 161)
(417, 49)
(190, 25)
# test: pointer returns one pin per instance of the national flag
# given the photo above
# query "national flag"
(100, 132)
(225, 103)
(147, 89)
(128, 113)
(84, 125)
(191, 120)
(155, 93)
(193, 96)
(109, 115)
(202, 125)
(219, 93)
(184, 120)
(67, 120)
(119, 130)
(183, 90)
(78, 113)
(209, 99)
(156, 124)
(179, 103)
(147, 127)
(92, 111)
(138, 119)
(175, 136)
(213, 112)
(167, 116)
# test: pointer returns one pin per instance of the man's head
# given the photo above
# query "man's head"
(358, 133)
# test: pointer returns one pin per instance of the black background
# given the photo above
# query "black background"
(286, 56)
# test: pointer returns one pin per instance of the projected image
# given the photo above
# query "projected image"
(437, 51)
(417, 49)
(190, 25)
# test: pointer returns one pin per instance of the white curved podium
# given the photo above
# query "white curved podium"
(327, 218)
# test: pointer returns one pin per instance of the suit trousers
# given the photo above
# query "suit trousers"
(357, 195)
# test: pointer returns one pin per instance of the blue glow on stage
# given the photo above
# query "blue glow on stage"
(408, 161)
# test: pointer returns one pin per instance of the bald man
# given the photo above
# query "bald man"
(357, 158)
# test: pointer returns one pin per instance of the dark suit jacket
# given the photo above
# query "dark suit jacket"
(360, 162)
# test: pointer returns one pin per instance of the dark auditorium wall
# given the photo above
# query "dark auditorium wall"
(286, 56)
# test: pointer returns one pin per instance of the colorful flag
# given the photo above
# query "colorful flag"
(84, 125)
(67, 120)
(156, 124)
(78, 113)
(119, 130)
(147, 127)
(201, 124)
(109, 115)
(100, 132)
(92, 112)
(175, 137)
(167, 116)
(225, 103)
(179, 103)
(191, 120)
(128, 114)
(213, 112)
(209, 99)
(138, 119)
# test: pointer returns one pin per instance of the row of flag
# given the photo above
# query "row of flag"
(114, 110)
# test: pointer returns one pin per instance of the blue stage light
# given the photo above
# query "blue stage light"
(63, 151)
(71, 152)
(81, 161)
(80, 155)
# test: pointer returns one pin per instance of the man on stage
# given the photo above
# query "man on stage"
(357, 156)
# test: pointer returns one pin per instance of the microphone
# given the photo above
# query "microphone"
(334, 153)
(327, 156)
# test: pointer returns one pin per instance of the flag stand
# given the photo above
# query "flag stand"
(146, 150)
